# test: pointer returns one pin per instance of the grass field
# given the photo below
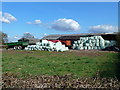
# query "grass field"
(78, 63)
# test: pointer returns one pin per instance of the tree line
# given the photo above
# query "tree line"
(4, 37)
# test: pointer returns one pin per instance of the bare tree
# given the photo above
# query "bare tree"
(28, 35)
(3, 37)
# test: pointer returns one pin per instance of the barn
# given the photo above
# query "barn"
(68, 39)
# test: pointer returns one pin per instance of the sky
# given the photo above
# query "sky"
(60, 0)
(45, 18)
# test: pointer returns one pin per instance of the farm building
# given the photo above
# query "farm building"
(30, 41)
(106, 36)
(74, 41)
(68, 39)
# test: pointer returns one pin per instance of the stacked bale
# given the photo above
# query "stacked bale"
(93, 42)
(45, 45)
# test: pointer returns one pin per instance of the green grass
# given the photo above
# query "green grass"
(24, 63)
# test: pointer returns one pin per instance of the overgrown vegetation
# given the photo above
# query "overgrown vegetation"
(3, 37)
(80, 64)
(118, 39)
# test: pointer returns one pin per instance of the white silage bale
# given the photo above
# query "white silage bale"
(78, 48)
(37, 43)
(58, 44)
(95, 47)
(85, 47)
(97, 44)
(26, 48)
(86, 38)
(87, 44)
(80, 45)
(74, 45)
(81, 48)
(78, 41)
(93, 41)
(44, 41)
(84, 41)
(97, 41)
(98, 37)
(63, 46)
(35, 48)
(80, 38)
(89, 47)
(89, 41)
(113, 42)
(75, 42)
(98, 47)
(102, 42)
(91, 44)
(92, 37)
(66, 48)
(107, 43)
(101, 38)
(77, 45)
(102, 47)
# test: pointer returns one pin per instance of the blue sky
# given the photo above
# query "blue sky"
(41, 18)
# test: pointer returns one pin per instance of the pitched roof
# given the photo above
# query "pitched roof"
(72, 36)
(52, 37)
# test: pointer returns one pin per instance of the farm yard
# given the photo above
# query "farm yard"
(59, 45)
(89, 68)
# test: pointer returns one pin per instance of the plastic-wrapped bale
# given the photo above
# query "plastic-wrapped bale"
(97, 44)
(107, 43)
(113, 43)
(78, 41)
(98, 47)
(47, 46)
(26, 48)
(75, 42)
(102, 43)
(80, 45)
(95, 48)
(87, 44)
(74, 46)
(85, 47)
(89, 47)
(81, 48)
(89, 41)
(93, 42)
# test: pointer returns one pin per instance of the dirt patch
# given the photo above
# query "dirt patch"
(65, 81)
(90, 53)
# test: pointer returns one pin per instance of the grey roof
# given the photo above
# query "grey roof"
(72, 36)
(51, 37)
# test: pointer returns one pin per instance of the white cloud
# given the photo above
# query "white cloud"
(103, 29)
(7, 18)
(16, 37)
(4, 20)
(66, 25)
(45, 34)
(36, 22)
